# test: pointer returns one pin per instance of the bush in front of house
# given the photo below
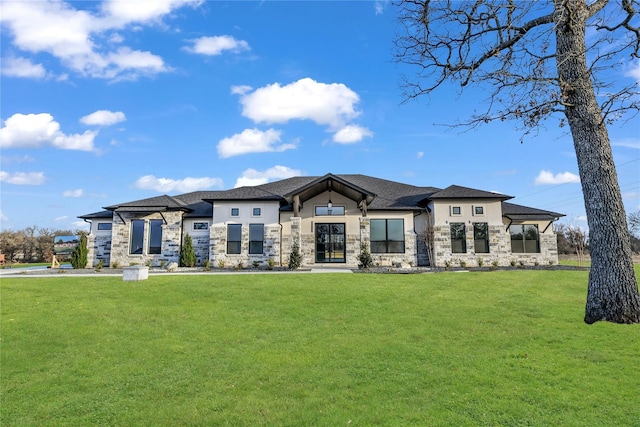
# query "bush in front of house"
(187, 253)
(79, 256)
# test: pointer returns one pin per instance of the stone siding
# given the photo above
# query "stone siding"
(99, 249)
(217, 248)
(121, 240)
(499, 250)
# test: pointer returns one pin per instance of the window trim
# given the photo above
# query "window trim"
(452, 210)
(157, 250)
(341, 208)
(485, 240)
(387, 243)
(234, 212)
(139, 234)
(110, 224)
(475, 210)
(524, 239)
(229, 241)
(253, 212)
(252, 242)
(206, 226)
(463, 239)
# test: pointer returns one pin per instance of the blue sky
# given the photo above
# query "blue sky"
(114, 101)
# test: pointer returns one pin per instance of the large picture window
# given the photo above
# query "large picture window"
(155, 236)
(234, 238)
(481, 238)
(524, 238)
(458, 238)
(256, 238)
(137, 237)
(387, 236)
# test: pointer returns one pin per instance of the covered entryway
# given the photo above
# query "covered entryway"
(330, 243)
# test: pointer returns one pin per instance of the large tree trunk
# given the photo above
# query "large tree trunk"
(613, 290)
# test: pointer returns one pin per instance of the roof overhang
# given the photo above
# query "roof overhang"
(331, 182)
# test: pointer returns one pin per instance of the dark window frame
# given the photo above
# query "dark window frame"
(256, 212)
(155, 241)
(388, 245)
(458, 235)
(199, 226)
(335, 210)
(109, 226)
(235, 211)
(521, 241)
(256, 247)
(136, 238)
(234, 247)
(481, 237)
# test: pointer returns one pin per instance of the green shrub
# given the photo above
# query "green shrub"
(295, 258)
(270, 264)
(79, 255)
(365, 259)
(207, 265)
(100, 265)
(187, 253)
(115, 264)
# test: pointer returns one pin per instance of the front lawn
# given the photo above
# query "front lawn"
(447, 349)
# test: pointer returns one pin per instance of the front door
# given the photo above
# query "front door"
(330, 239)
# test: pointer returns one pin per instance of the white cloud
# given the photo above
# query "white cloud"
(627, 143)
(73, 193)
(186, 185)
(581, 218)
(120, 13)
(252, 141)
(634, 71)
(252, 177)
(36, 130)
(103, 118)
(215, 45)
(75, 36)
(325, 104)
(420, 154)
(351, 134)
(22, 178)
(22, 67)
(548, 178)
(3, 217)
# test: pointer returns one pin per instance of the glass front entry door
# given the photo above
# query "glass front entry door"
(330, 243)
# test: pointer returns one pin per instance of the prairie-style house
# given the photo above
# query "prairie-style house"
(331, 218)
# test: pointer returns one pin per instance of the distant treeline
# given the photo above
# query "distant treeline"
(33, 244)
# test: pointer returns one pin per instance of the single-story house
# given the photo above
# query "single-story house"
(331, 218)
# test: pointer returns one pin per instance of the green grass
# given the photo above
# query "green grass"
(448, 349)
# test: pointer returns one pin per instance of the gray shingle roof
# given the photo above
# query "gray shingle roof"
(458, 192)
(519, 212)
(384, 195)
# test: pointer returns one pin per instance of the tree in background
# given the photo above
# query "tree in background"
(79, 255)
(187, 253)
(534, 58)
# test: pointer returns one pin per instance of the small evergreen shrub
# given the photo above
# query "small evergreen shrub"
(270, 264)
(480, 262)
(79, 255)
(365, 259)
(100, 265)
(255, 264)
(187, 253)
(207, 265)
(115, 264)
(221, 263)
(295, 258)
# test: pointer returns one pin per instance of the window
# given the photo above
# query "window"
(235, 212)
(458, 238)
(104, 226)
(324, 210)
(200, 225)
(387, 236)
(456, 210)
(137, 236)
(155, 236)
(234, 238)
(257, 211)
(478, 210)
(524, 238)
(256, 238)
(481, 238)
